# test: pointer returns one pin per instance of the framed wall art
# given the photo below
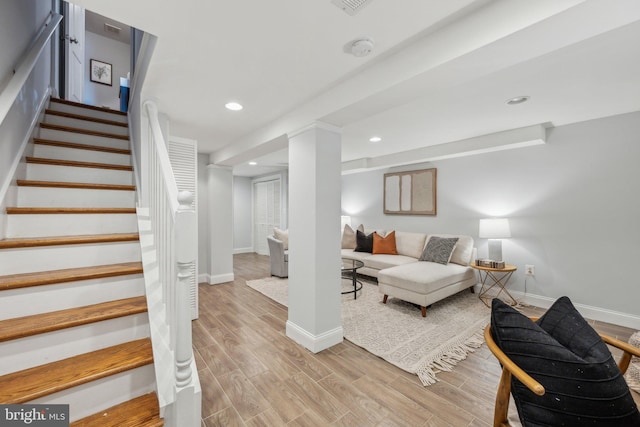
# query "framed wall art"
(411, 192)
(100, 72)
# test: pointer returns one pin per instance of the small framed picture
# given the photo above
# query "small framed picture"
(100, 72)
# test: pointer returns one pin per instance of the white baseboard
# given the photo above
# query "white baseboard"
(243, 250)
(590, 312)
(315, 343)
(217, 278)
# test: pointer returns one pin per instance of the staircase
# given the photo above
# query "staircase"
(74, 327)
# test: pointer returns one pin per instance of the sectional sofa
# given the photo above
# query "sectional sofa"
(405, 277)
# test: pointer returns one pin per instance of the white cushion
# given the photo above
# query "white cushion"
(424, 277)
(410, 244)
(282, 235)
(349, 240)
(380, 261)
(351, 254)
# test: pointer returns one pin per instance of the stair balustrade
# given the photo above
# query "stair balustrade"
(173, 238)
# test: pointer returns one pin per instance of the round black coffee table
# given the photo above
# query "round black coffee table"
(349, 268)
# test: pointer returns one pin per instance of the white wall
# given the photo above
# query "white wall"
(220, 187)
(117, 54)
(573, 206)
(242, 215)
(19, 23)
(203, 219)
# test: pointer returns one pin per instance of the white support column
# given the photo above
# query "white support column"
(314, 242)
(220, 190)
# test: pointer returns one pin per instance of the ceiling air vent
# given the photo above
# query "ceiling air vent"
(351, 6)
(111, 28)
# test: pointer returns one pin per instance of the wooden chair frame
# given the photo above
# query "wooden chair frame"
(509, 368)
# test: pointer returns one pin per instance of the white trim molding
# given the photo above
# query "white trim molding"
(316, 125)
(315, 343)
(588, 311)
(243, 250)
(220, 278)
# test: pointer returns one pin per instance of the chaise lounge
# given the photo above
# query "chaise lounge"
(415, 273)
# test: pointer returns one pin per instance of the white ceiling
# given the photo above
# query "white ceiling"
(440, 72)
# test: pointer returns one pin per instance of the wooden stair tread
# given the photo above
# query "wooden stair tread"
(88, 107)
(67, 240)
(25, 280)
(33, 383)
(60, 210)
(74, 163)
(81, 185)
(27, 326)
(79, 146)
(83, 131)
(142, 411)
(87, 118)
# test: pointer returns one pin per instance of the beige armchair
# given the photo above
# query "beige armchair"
(279, 257)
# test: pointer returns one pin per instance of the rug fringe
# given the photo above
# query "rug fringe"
(449, 358)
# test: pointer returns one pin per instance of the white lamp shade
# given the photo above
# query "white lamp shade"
(494, 228)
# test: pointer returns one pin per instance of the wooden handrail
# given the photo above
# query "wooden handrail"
(510, 366)
(163, 155)
(23, 70)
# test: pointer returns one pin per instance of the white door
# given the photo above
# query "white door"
(266, 209)
(74, 40)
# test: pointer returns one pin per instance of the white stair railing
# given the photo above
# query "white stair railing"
(169, 253)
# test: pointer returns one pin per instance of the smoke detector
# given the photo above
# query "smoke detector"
(360, 47)
(351, 7)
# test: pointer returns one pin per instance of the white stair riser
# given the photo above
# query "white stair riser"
(87, 399)
(39, 172)
(27, 352)
(87, 112)
(85, 124)
(64, 153)
(45, 258)
(42, 225)
(82, 138)
(60, 296)
(74, 197)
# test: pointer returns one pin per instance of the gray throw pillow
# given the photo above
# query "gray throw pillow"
(439, 249)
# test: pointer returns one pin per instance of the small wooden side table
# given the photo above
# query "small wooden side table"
(499, 277)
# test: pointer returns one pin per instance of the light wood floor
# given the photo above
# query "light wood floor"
(253, 375)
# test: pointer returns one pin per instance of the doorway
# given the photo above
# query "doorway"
(267, 208)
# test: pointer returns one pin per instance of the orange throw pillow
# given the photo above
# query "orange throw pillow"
(385, 245)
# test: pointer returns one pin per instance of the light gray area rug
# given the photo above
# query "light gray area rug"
(398, 333)
(633, 372)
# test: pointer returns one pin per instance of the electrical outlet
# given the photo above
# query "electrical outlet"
(529, 270)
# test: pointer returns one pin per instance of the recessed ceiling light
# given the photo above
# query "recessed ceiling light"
(233, 106)
(375, 139)
(517, 100)
(253, 163)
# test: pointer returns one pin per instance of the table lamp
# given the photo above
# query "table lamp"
(494, 229)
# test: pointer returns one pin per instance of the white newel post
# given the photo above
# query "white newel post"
(188, 395)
